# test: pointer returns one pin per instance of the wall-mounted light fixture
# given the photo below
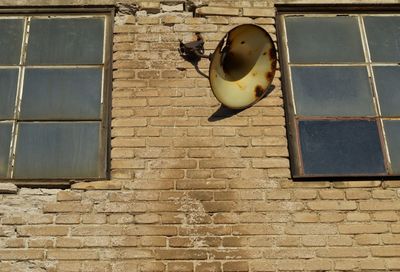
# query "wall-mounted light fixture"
(242, 66)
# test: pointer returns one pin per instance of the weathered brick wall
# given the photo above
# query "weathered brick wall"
(195, 188)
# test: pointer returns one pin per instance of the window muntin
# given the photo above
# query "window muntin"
(54, 121)
(342, 112)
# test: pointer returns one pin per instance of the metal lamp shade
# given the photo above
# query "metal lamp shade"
(242, 66)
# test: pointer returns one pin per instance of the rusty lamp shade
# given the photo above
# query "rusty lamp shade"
(242, 66)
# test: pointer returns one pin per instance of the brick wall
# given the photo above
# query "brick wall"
(194, 187)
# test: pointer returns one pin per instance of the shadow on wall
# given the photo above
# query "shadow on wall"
(224, 112)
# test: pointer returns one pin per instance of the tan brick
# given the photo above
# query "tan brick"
(97, 230)
(332, 205)
(14, 243)
(357, 216)
(42, 230)
(377, 205)
(331, 194)
(21, 254)
(258, 12)
(218, 11)
(180, 267)
(178, 254)
(362, 228)
(72, 254)
(313, 240)
(393, 263)
(147, 218)
(40, 242)
(68, 196)
(389, 216)
(65, 207)
(208, 266)
(311, 228)
(383, 194)
(256, 229)
(152, 230)
(386, 251)
(367, 239)
(305, 217)
(68, 242)
(236, 266)
(68, 266)
(340, 252)
(68, 219)
(289, 265)
(340, 240)
(305, 194)
(96, 266)
(329, 217)
(278, 195)
(270, 163)
(318, 265)
(391, 239)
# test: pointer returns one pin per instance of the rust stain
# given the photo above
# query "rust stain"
(240, 87)
(272, 53)
(259, 91)
(270, 75)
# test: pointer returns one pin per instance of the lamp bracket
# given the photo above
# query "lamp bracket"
(193, 51)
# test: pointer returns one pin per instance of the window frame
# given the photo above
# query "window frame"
(107, 12)
(297, 170)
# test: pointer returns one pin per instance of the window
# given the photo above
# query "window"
(341, 84)
(54, 74)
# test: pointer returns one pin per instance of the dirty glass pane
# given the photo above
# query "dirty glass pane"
(8, 90)
(388, 85)
(57, 150)
(350, 147)
(5, 141)
(55, 94)
(11, 33)
(383, 34)
(392, 131)
(324, 39)
(66, 41)
(332, 91)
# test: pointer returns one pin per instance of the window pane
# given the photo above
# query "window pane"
(392, 131)
(332, 91)
(324, 39)
(55, 94)
(57, 150)
(341, 147)
(5, 141)
(383, 35)
(388, 85)
(8, 90)
(11, 32)
(66, 41)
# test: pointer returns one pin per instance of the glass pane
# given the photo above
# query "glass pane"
(324, 39)
(5, 141)
(332, 91)
(341, 147)
(8, 90)
(55, 94)
(392, 131)
(57, 150)
(383, 34)
(388, 85)
(66, 41)
(11, 33)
